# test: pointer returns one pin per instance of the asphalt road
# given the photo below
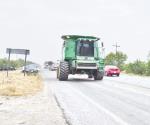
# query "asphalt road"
(123, 100)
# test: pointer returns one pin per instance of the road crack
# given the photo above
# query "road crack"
(62, 110)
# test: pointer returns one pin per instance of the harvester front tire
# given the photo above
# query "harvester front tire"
(63, 71)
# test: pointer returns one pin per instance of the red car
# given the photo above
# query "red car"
(111, 70)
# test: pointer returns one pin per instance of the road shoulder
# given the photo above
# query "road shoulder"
(40, 109)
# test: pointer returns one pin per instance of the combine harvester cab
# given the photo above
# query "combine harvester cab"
(81, 55)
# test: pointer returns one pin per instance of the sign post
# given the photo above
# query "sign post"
(8, 63)
(17, 51)
(25, 60)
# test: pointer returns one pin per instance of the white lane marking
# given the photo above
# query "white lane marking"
(129, 89)
(111, 114)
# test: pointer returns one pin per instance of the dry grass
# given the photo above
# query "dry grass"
(18, 85)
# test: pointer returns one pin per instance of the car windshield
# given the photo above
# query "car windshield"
(85, 48)
(112, 67)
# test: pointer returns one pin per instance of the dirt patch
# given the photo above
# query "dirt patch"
(18, 85)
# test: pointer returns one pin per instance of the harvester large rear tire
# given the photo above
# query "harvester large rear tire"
(63, 71)
(98, 76)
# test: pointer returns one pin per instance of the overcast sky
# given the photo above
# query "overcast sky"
(38, 25)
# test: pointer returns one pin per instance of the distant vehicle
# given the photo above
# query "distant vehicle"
(53, 67)
(111, 70)
(32, 68)
(11, 68)
(48, 64)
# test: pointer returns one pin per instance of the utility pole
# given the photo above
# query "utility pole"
(116, 46)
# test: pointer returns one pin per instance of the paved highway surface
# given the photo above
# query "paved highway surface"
(123, 100)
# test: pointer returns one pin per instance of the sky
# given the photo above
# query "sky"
(38, 25)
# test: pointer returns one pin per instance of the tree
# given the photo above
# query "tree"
(14, 63)
(148, 56)
(148, 65)
(117, 59)
(137, 67)
(148, 68)
(110, 59)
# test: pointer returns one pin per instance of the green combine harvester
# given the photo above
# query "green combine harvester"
(81, 55)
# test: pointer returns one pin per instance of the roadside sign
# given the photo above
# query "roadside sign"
(10, 51)
(18, 51)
